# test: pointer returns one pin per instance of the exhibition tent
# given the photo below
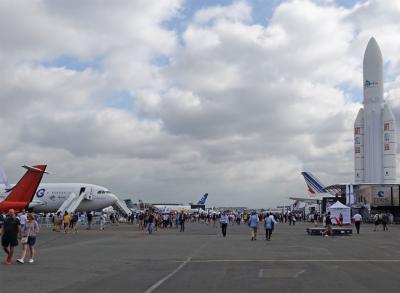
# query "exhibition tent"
(338, 208)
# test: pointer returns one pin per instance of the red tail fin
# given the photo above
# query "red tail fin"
(24, 191)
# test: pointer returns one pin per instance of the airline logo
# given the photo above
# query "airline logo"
(203, 199)
(314, 186)
(370, 84)
(40, 192)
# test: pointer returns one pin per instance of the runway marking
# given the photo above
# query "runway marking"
(299, 273)
(294, 260)
(189, 259)
(260, 273)
(160, 282)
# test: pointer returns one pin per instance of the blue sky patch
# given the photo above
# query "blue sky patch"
(121, 100)
(72, 63)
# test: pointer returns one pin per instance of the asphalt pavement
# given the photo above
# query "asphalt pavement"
(124, 259)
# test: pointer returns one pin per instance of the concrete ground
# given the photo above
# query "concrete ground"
(123, 259)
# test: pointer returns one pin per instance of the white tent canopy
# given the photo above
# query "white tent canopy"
(338, 208)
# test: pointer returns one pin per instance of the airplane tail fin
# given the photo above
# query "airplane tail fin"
(313, 184)
(203, 199)
(23, 192)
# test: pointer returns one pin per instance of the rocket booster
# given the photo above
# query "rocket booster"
(389, 145)
(359, 147)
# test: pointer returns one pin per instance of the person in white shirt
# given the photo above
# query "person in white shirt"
(102, 221)
(224, 220)
(357, 221)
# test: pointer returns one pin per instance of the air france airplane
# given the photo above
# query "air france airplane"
(316, 190)
(53, 197)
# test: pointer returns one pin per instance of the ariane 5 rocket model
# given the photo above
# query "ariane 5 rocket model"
(375, 126)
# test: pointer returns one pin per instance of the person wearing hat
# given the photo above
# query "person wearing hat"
(9, 234)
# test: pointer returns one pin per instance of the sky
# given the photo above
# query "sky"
(164, 101)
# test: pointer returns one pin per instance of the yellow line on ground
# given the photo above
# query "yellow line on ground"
(293, 260)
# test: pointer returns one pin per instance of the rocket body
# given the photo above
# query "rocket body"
(374, 128)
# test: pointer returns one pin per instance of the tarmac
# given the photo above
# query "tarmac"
(124, 259)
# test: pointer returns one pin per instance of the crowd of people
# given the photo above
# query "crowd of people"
(25, 226)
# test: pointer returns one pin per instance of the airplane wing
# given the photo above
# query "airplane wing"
(312, 200)
(305, 199)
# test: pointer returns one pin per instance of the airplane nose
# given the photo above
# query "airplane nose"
(112, 198)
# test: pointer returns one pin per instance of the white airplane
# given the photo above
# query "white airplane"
(180, 207)
(53, 197)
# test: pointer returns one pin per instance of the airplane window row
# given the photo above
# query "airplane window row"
(103, 191)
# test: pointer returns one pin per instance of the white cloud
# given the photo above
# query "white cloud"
(237, 110)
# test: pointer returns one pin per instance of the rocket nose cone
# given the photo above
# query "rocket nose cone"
(372, 52)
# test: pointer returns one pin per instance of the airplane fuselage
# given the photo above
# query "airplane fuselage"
(50, 196)
(174, 208)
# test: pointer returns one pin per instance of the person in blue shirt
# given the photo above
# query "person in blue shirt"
(181, 220)
(269, 222)
(253, 224)
(224, 220)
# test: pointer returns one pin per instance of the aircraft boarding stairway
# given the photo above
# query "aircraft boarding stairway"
(121, 207)
(72, 203)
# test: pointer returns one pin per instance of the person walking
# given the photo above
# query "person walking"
(181, 220)
(165, 218)
(102, 221)
(224, 223)
(357, 221)
(57, 220)
(267, 227)
(141, 221)
(328, 226)
(22, 219)
(385, 220)
(66, 221)
(74, 222)
(376, 222)
(269, 222)
(253, 224)
(340, 219)
(89, 218)
(150, 223)
(29, 233)
(9, 234)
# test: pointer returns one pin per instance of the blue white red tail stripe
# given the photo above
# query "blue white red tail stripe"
(314, 186)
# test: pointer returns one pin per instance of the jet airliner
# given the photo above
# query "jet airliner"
(53, 197)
